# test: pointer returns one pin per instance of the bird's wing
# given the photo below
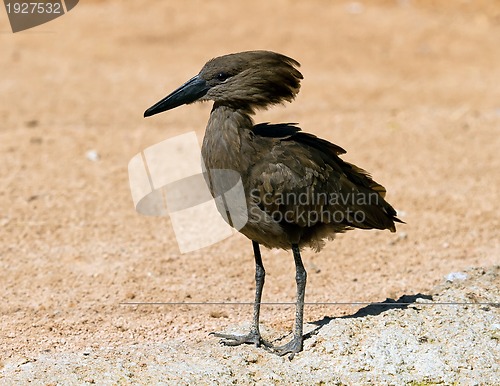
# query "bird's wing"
(301, 180)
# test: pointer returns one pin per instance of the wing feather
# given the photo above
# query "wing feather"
(302, 181)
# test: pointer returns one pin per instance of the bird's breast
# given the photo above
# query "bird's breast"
(226, 142)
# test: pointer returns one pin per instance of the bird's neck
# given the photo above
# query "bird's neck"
(227, 131)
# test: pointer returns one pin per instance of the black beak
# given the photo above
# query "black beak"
(189, 92)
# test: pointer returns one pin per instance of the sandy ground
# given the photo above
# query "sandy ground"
(423, 342)
(409, 88)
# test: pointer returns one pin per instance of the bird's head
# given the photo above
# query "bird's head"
(246, 80)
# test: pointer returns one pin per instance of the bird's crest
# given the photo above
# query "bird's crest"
(251, 79)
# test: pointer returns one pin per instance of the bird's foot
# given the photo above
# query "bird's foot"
(253, 337)
(292, 347)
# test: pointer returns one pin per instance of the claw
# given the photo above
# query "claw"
(235, 340)
(292, 347)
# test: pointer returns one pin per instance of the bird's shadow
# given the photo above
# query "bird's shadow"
(372, 309)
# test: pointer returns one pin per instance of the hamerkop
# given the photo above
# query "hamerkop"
(298, 190)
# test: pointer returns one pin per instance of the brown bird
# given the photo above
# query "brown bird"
(298, 190)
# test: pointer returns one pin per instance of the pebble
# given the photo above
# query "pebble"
(92, 155)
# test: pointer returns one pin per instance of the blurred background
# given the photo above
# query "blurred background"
(409, 88)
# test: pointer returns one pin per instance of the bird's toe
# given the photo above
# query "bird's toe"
(235, 340)
(292, 347)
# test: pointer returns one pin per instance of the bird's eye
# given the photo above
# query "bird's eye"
(222, 76)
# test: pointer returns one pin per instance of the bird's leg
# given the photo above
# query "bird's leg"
(254, 335)
(295, 345)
